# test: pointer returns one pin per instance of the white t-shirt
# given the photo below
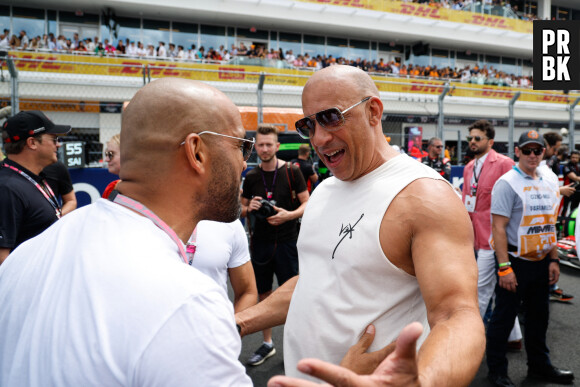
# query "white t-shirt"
(220, 246)
(103, 298)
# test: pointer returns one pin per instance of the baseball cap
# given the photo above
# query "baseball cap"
(30, 123)
(530, 137)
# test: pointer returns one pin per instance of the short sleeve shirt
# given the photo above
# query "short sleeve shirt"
(24, 211)
(506, 202)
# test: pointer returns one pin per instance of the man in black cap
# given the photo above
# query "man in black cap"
(524, 209)
(27, 204)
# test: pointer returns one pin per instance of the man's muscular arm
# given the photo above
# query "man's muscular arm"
(430, 236)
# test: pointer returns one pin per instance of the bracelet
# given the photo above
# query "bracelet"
(239, 328)
(504, 268)
(508, 263)
(502, 273)
(554, 260)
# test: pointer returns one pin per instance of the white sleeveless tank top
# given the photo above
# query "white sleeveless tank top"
(346, 281)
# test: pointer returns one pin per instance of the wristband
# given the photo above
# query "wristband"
(504, 268)
(502, 273)
(239, 328)
(554, 260)
(508, 263)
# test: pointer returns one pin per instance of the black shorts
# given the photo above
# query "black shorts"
(269, 258)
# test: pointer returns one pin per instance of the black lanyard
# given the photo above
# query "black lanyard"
(45, 189)
(269, 192)
(476, 178)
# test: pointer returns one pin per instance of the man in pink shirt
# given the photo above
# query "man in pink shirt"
(479, 176)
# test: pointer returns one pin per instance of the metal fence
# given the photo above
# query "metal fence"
(90, 97)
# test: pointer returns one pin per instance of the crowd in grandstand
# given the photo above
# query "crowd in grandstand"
(49, 42)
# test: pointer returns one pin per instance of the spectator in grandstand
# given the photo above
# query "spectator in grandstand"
(243, 50)
(192, 53)
(90, 45)
(172, 51)
(61, 43)
(5, 40)
(290, 58)
(131, 49)
(201, 53)
(120, 49)
(226, 57)
(234, 51)
(161, 50)
(109, 48)
(151, 53)
(141, 51)
(81, 47)
(181, 54)
(24, 41)
(75, 41)
(43, 42)
(100, 50)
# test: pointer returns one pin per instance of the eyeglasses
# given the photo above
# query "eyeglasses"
(476, 138)
(246, 146)
(330, 119)
(109, 155)
(528, 151)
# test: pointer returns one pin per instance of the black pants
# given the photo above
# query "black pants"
(533, 291)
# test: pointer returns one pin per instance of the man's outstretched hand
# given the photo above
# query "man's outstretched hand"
(361, 362)
(398, 369)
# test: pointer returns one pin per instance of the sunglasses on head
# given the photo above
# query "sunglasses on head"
(476, 138)
(246, 145)
(330, 119)
(528, 151)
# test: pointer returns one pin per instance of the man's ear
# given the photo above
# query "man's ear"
(196, 153)
(31, 143)
(376, 108)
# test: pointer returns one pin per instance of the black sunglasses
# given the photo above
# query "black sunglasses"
(110, 155)
(476, 138)
(330, 119)
(528, 151)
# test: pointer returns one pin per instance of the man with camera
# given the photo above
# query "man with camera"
(274, 195)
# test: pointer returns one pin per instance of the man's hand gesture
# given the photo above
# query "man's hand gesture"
(398, 369)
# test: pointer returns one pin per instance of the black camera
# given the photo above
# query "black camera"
(266, 210)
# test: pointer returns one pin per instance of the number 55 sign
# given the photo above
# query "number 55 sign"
(74, 154)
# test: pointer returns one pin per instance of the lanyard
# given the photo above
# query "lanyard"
(45, 189)
(134, 205)
(191, 245)
(476, 178)
(269, 192)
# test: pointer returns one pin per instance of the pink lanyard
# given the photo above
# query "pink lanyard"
(134, 205)
(45, 190)
(191, 245)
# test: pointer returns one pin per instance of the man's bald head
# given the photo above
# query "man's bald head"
(343, 78)
(161, 115)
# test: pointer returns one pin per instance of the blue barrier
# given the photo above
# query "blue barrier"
(89, 183)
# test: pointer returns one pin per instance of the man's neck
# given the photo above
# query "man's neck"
(530, 172)
(270, 165)
(26, 162)
(477, 157)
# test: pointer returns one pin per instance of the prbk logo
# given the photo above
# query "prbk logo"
(556, 55)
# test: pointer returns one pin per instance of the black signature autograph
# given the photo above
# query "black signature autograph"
(348, 230)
